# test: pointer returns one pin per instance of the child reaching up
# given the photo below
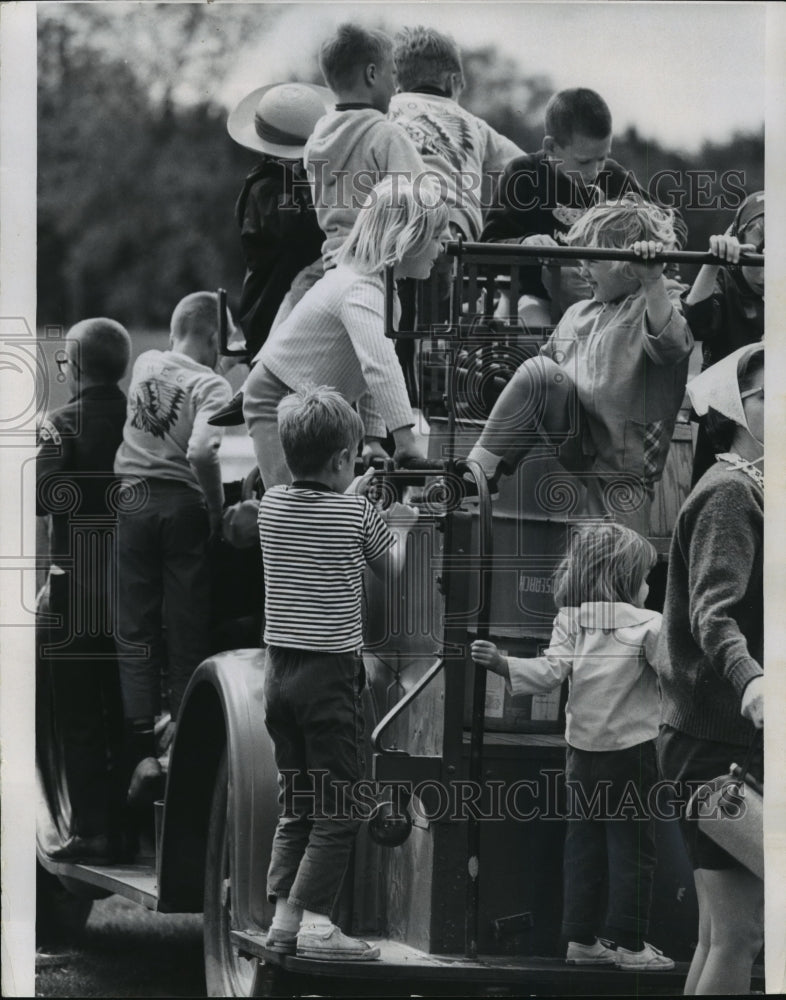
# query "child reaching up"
(725, 305)
(604, 641)
(606, 387)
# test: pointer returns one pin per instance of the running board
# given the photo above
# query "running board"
(400, 962)
(136, 882)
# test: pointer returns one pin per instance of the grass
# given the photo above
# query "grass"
(127, 951)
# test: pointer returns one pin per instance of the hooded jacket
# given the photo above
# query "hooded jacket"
(348, 153)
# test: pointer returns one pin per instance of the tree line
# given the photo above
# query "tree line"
(136, 189)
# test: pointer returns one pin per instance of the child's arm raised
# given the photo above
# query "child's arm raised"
(726, 248)
(667, 336)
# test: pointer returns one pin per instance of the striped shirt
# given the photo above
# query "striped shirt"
(315, 545)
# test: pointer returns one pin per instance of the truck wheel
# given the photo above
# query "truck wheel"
(227, 973)
(60, 915)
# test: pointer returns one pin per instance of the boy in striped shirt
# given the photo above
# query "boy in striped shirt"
(316, 542)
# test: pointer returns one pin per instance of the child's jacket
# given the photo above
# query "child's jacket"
(630, 384)
(458, 147)
(606, 649)
(348, 153)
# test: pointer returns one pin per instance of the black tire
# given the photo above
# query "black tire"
(227, 974)
(60, 915)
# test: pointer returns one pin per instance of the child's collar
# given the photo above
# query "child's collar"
(312, 484)
(428, 88)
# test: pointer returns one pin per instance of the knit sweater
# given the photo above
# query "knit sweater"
(712, 639)
(335, 336)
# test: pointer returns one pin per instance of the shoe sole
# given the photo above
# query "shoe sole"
(590, 961)
(644, 968)
(333, 955)
(282, 947)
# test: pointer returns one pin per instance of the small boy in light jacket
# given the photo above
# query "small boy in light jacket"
(355, 146)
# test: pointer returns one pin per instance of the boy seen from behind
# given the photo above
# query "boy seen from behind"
(354, 147)
(457, 146)
(169, 460)
(317, 539)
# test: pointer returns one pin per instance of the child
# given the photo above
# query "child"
(355, 146)
(541, 195)
(604, 640)
(608, 384)
(725, 305)
(335, 334)
(456, 146)
(169, 460)
(316, 540)
(282, 241)
(76, 454)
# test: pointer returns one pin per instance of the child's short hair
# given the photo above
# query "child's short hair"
(720, 429)
(315, 422)
(425, 57)
(104, 348)
(618, 224)
(604, 562)
(397, 219)
(350, 50)
(196, 315)
(578, 111)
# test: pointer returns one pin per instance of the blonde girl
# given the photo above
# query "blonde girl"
(604, 642)
(335, 334)
(606, 387)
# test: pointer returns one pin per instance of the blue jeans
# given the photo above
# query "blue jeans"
(603, 849)
(314, 715)
(164, 612)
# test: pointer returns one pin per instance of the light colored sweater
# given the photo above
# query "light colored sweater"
(348, 153)
(166, 433)
(458, 148)
(334, 336)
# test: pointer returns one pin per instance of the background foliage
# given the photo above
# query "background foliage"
(137, 177)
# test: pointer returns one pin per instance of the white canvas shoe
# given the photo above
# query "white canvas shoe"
(591, 954)
(649, 959)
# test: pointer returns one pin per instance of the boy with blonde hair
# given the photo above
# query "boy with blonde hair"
(354, 147)
(608, 384)
(317, 539)
(458, 148)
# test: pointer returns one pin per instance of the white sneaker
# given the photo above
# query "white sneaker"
(329, 942)
(591, 954)
(646, 960)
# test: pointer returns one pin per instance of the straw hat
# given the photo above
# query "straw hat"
(278, 119)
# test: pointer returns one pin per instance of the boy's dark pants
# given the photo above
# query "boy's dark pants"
(164, 613)
(623, 846)
(314, 715)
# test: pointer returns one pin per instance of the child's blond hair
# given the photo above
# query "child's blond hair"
(604, 563)
(315, 422)
(349, 51)
(619, 224)
(425, 57)
(397, 220)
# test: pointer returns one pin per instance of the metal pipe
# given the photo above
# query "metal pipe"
(485, 552)
(485, 250)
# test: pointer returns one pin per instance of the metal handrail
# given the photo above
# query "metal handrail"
(458, 248)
